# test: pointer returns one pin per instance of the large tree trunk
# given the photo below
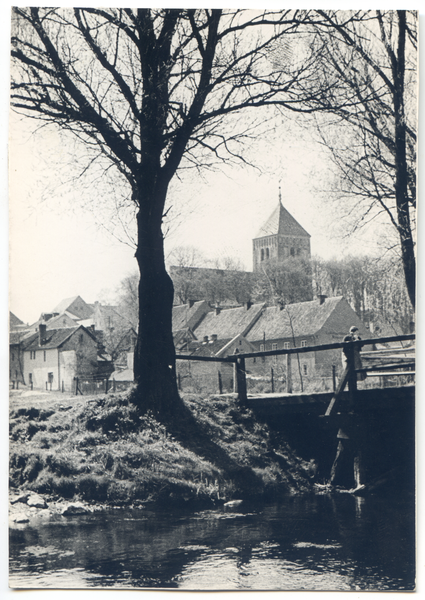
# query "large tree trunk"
(401, 171)
(154, 357)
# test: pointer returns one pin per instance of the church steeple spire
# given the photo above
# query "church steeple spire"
(280, 237)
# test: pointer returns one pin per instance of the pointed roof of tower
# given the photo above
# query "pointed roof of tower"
(281, 222)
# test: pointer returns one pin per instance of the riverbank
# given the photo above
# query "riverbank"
(100, 452)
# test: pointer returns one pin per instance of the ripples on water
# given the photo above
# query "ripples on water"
(321, 543)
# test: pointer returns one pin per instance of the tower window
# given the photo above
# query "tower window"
(262, 253)
(267, 253)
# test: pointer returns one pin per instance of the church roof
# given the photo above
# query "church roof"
(281, 222)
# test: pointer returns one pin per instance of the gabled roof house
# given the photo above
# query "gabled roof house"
(53, 358)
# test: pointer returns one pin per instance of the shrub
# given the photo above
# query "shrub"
(32, 468)
(93, 487)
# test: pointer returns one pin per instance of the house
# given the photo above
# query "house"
(220, 332)
(75, 306)
(207, 371)
(259, 327)
(53, 358)
(15, 324)
(16, 367)
(185, 318)
(226, 324)
(123, 375)
(17, 331)
(320, 321)
(55, 321)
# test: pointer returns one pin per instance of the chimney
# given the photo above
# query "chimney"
(217, 310)
(213, 338)
(190, 303)
(205, 341)
(321, 298)
(248, 304)
(41, 334)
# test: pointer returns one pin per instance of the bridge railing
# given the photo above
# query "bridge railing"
(349, 376)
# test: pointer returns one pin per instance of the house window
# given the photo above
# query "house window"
(81, 338)
(13, 356)
(286, 345)
(262, 254)
(292, 251)
(267, 253)
(30, 378)
(261, 347)
(274, 347)
(303, 343)
(305, 370)
(44, 355)
(32, 354)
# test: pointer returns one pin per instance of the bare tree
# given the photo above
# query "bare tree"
(148, 92)
(368, 121)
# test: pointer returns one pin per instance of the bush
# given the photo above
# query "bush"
(93, 487)
(32, 468)
(48, 483)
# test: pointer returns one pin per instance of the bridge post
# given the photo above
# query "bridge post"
(239, 378)
(220, 383)
(352, 376)
(288, 374)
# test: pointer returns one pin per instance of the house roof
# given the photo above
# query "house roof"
(185, 316)
(281, 222)
(207, 349)
(294, 320)
(229, 323)
(15, 337)
(14, 322)
(74, 305)
(54, 338)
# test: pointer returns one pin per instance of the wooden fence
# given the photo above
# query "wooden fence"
(349, 376)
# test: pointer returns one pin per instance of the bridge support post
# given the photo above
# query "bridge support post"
(239, 379)
(288, 374)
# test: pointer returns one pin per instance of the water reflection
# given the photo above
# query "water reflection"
(311, 543)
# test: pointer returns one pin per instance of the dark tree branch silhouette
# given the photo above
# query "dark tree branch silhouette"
(152, 91)
(368, 59)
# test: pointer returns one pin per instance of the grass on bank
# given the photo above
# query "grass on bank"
(103, 450)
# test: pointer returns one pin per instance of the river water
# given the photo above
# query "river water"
(338, 542)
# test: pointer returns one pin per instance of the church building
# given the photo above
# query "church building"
(280, 237)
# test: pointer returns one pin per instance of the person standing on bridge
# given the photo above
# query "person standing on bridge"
(354, 337)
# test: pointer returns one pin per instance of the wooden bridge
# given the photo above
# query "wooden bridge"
(379, 364)
(372, 420)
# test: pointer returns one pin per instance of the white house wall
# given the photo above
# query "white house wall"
(38, 368)
(68, 368)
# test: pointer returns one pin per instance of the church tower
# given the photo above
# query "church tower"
(279, 238)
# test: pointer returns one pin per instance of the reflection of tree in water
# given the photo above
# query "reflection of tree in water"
(141, 548)
(377, 535)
